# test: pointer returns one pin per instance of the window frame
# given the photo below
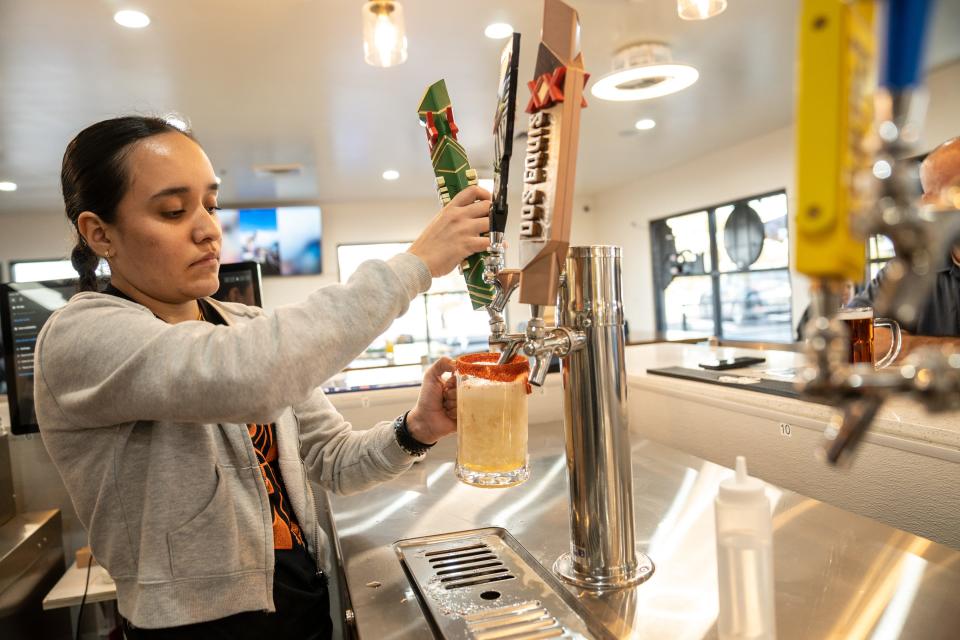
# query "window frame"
(658, 259)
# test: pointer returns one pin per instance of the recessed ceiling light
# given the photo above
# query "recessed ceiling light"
(643, 71)
(391, 174)
(498, 31)
(645, 124)
(131, 19)
(8, 186)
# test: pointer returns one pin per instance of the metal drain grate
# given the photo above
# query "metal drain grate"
(483, 585)
(524, 621)
(467, 566)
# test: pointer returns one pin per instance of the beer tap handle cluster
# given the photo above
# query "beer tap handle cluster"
(884, 199)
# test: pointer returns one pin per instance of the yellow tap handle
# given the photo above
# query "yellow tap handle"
(836, 72)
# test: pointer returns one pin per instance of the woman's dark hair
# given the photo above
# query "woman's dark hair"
(95, 178)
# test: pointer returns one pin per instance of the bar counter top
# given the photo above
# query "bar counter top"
(900, 417)
(837, 574)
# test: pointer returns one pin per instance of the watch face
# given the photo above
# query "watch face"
(503, 130)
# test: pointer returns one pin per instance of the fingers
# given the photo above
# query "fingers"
(469, 195)
(479, 209)
(450, 402)
(476, 245)
(441, 366)
(479, 225)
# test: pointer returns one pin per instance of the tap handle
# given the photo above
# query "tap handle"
(503, 122)
(906, 27)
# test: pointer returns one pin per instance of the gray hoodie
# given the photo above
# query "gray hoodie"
(146, 423)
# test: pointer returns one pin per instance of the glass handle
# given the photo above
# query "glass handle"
(895, 341)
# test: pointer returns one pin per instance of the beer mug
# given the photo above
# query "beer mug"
(492, 420)
(860, 325)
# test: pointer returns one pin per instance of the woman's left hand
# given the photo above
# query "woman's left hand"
(435, 415)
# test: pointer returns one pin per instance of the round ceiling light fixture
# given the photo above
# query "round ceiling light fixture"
(131, 19)
(391, 175)
(8, 186)
(645, 124)
(643, 71)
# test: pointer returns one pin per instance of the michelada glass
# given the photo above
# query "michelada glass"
(492, 420)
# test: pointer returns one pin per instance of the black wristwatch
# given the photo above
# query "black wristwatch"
(406, 441)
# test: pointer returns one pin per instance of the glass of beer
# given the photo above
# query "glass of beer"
(860, 325)
(492, 420)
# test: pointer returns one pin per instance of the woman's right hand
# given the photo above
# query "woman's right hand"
(455, 232)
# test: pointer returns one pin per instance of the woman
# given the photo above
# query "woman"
(187, 431)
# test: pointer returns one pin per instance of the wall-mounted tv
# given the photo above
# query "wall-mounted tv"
(284, 240)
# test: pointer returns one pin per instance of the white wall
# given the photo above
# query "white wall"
(943, 113)
(761, 164)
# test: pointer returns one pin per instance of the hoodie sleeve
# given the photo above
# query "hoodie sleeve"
(341, 459)
(102, 361)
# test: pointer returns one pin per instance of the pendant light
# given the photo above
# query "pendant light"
(384, 34)
(700, 9)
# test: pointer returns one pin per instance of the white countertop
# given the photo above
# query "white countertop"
(900, 417)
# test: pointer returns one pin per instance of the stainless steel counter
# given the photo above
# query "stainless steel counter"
(838, 575)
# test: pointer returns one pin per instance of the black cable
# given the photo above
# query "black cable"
(84, 598)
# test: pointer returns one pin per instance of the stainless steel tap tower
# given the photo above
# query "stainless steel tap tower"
(586, 282)
(590, 340)
(603, 552)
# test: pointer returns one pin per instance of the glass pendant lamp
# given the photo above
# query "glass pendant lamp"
(700, 9)
(384, 34)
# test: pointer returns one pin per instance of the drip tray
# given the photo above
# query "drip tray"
(483, 585)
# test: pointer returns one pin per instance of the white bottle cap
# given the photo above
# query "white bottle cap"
(742, 488)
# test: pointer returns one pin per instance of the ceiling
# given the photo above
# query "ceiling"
(283, 81)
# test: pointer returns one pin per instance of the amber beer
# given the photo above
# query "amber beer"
(860, 327)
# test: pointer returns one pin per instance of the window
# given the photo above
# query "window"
(724, 270)
(441, 322)
(879, 251)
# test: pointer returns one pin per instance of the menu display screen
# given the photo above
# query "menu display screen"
(25, 307)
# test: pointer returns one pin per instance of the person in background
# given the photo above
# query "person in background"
(938, 322)
(849, 289)
(187, 431)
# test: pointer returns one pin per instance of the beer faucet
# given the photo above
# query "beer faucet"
(537, 343)
(883, 186)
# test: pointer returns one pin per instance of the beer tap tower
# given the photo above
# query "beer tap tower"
(586, 281)
(842, 198)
